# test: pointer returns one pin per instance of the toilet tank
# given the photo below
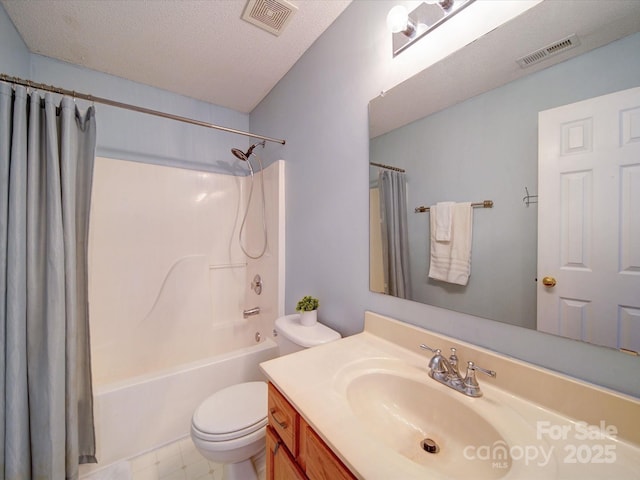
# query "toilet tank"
(292, 336)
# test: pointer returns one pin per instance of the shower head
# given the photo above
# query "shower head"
(239, 154)
(245, 155)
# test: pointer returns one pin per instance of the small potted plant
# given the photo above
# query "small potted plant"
(308, 308)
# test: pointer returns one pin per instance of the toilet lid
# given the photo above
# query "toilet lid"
(239, 408)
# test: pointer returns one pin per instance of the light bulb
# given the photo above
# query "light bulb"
(397, 19)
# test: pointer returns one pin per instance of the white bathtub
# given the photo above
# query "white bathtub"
(142, 413)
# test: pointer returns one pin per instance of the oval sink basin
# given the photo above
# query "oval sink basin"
(401, 412)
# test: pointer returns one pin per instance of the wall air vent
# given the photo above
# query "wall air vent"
(548, 51)
(269, 15)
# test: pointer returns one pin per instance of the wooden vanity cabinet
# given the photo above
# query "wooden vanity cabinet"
(280, 462)
(294, 449)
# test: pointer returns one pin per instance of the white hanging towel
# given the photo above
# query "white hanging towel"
(443, 215)
(451, 260)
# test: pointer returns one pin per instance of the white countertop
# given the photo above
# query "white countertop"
(315, 381)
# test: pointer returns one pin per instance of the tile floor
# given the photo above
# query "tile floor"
(177, 461)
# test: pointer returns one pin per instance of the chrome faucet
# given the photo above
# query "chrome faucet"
(251, 311)
(446, 371)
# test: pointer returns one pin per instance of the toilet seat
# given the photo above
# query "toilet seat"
(233, 412)
(228, 443)
(217, 437)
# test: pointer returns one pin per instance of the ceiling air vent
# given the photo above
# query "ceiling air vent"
(269, 15)
(548, 51)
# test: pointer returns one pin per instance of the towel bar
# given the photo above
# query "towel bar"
(483, 204)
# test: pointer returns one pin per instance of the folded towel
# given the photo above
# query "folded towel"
(451, 261)
(442, 214)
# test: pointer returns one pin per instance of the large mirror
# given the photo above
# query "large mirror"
(466, 130)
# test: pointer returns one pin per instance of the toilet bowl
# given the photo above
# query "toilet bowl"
(229, 426)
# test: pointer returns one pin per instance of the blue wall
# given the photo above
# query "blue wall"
(320, 107)
(14, 54)
(129, 135)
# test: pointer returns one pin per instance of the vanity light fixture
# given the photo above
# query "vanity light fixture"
(406, 28)
(398, 21)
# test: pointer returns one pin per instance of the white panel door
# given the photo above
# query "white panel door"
(589, 220)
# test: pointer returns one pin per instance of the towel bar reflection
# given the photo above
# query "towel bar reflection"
(388, 167)
(484, 204)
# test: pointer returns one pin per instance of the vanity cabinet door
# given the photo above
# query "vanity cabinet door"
(320, 463)
(294, 450)
(280, 463)
(284, 419)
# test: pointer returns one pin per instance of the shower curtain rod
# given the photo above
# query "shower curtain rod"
(126, 106)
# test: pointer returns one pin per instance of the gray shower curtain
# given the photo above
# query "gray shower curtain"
(47, 153)
(395, 242)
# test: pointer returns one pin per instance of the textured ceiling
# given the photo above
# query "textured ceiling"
(201, 49)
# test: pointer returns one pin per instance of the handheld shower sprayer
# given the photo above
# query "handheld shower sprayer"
(244, 156)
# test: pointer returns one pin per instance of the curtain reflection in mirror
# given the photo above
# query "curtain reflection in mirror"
(393, 222)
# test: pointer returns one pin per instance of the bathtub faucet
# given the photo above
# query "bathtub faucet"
(251, 311)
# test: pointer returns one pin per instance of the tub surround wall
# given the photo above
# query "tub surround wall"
(167, 279)
(271, 266)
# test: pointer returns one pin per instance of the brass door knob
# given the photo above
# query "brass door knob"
(549, 282)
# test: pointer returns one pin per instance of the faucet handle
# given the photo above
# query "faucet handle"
(438, 365)
(473, 366)
(427, 347)
(471, 369)
(471, 383)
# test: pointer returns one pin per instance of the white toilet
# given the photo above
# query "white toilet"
(229, 426)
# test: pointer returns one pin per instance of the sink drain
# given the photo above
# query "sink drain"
(429, 446)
